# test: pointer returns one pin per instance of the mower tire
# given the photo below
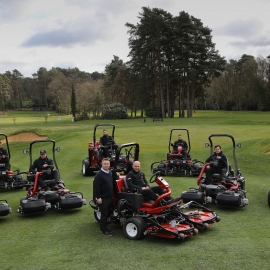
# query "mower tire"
(86, 171)
(134, 228)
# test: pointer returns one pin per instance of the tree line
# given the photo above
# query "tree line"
(173, 66)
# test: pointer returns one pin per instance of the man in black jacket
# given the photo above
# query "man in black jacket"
(41, 164)
(182, 143)
(107, 142)
(218, 164)
(103, 190)
(136, 182)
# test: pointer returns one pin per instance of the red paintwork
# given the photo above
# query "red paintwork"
(201, 173)
(35, 189)
(151, 208)
(180, 228)
(179, 149)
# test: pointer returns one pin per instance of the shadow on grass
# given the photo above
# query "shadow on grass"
(9, 191)
(52, 213)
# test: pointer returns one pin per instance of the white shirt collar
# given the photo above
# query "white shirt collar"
(105, 171)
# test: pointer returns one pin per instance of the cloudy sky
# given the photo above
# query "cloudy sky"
(87, 33)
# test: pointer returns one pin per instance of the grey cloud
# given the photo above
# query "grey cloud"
(239, 28)
(113, 8)
(262, 41)
(12, 10)
(84, 32)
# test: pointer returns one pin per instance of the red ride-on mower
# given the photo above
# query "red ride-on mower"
(4, 208)
(8, 178)
(230, 193)
(139, 218)
(96, 153)
(178, 158)
(39, 200)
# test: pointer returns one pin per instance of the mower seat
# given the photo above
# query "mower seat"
(120, 183)
(53, 177)
(215, 177)
(125, 182)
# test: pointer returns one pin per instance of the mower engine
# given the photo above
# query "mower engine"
(39, 200)
(10, 179)
(180, 163)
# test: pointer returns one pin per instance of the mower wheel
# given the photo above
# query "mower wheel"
(134, 228)
(86, 171)
(205, 226)
(97, 215)
(243, 185)
(269, 198)
(181, 236)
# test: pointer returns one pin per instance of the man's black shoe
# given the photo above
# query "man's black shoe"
(107, 233)
(110, 231)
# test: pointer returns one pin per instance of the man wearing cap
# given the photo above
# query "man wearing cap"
(41, 164)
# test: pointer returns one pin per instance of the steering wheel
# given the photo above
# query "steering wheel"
(110, 142)
(128, 153)
(154, 176)
(49, 167)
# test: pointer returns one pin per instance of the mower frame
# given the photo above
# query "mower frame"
(231, 193)
(175, 162)
(92, 163)
(39, 200)
(8, 178)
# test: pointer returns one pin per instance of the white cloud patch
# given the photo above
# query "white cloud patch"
(240, 28)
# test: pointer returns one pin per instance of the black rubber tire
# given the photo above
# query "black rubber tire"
(86, 171)
(243, 185)
(134, 228)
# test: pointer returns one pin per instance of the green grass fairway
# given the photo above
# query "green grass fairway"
(71, 239)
